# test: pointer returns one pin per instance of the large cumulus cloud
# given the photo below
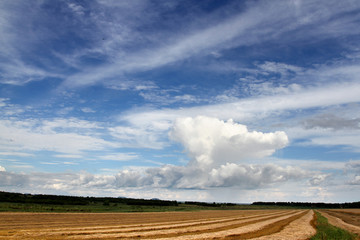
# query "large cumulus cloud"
(218, 151)
(211, 142)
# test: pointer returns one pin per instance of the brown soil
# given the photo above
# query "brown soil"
(166, 225)
(243, 231)
(39, 220)
(203, 228)
(301, 228)
(187, 228)
(348, 219)
(348, 216)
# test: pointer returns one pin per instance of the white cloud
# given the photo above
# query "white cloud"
(63, 124)
(234, 182)
(163, 97)
(3, 102)
(16, 72)
(270, 89)
(120, 156)
(261, 22)
(37, 136)
(349, 140)
(68, 156)
(212, 142)
(222, 153)
(77, 9)
(318, 179)
(254, 176)
(353, 169)
(355, 180)
(248, 110)
(17, 154)
(241, 176)
(150, 136)
(256, 23)
(8, 179)
(332, 121)
(2, 169)
(8, 109)
(282, 68)
(354, 165)
(311, 164)
(343, 137)
(170, 177)
(87, 110)
(217, 150)
(319, 193)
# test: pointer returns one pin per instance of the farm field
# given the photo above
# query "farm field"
(348, 219)
(231, 224)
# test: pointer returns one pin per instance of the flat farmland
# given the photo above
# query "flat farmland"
(348, 219)
(237, 224)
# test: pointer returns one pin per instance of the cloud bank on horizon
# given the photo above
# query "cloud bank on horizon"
(233, 101)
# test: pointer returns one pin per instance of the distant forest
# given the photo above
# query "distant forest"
(72, 200)
(310, 204)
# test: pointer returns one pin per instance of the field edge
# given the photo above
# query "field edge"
(324, 230)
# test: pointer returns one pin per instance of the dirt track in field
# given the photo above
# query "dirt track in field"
(348, 219)
(249, 224)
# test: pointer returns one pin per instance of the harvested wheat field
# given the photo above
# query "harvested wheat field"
(348, 219)
(249, 224)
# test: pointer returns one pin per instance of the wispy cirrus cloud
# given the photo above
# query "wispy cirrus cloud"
(19, 39)
(248, 108)
(258, 23)
(267, 101)
(71, 156)
(123, 50)
(332, 121)
(18, 154)
(120, 156)
(43, 136)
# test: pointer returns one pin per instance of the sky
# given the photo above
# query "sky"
(225, 101)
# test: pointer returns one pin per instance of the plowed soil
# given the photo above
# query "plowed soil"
(249, 224)
(348, 219)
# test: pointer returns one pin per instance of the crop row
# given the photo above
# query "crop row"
(284, 224)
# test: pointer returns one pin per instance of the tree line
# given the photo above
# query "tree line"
(72, 200)
(310, 204)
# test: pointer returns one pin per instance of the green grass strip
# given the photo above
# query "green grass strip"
(326, 231)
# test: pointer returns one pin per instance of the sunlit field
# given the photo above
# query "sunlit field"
(231, 224)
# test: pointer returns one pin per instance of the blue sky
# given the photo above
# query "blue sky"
(228, 101)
